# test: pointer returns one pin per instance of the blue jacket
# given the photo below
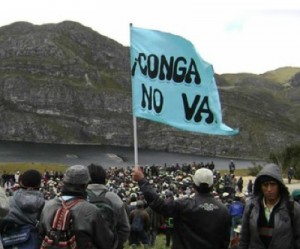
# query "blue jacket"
(236, 208)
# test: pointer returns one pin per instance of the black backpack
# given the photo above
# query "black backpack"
(61, 234)
(105, 206)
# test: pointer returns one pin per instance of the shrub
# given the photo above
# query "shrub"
(289, 157)
(253, 171)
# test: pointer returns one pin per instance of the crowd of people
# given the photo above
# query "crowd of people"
(193, 205)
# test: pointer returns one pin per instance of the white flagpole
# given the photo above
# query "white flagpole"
(136, 163)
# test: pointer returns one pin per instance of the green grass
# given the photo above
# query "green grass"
(159, 243)
(12, 167)
(282, 75)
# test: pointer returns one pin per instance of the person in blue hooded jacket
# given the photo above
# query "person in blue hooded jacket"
(236, 210)
(26, 204)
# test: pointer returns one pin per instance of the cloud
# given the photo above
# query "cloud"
(235, 36)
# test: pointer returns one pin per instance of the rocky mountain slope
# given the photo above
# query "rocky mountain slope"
(65, 83)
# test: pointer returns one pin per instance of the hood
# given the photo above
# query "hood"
(29, 201)
(274, 171)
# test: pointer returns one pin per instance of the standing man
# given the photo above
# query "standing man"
(89, 227)
(26, 204)
(155, 221)
(97, 186)
(139, 221)
(271, 220)
(231, 167)
(291, 173)
(250, 187)
(236, 210)
(169, 221)
(199, 222)
(240, 184)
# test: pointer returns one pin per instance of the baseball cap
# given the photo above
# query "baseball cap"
(203, 175)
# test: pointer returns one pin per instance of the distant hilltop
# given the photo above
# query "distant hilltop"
(65, 83)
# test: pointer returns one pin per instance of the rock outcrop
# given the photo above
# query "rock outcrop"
(65, 83)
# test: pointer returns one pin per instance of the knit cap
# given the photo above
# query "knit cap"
(30, 179)
(77, 175)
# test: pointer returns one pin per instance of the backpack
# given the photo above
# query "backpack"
(14, 236)
(61, 234)
(137, 223)
(104, 205)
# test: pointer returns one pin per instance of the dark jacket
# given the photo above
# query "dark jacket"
(122, 221)
(144, 215)
(156, 220)
(286, 234)
(25, 207)
(199, 222)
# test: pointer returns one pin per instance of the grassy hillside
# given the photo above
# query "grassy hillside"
(76, 88)
(282, 75)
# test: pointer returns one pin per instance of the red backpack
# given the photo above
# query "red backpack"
(61, 234)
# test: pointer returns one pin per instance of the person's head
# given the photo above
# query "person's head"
(77, 175)
(97, 173)
(139, 204)
(30, 179)
(169, 194)
(133, 197)
(75, 181)
(270, 189)
(203, 180)
(269, 183)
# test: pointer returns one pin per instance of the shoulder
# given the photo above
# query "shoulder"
(253, 200)
(115, 199)
(250, 204)
(85, 204)
(209, 202)
(87, 211)
(53, 201)
(27, 199)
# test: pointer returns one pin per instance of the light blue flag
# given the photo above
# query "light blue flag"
(173, 85)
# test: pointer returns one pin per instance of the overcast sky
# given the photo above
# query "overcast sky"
(233, 35)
